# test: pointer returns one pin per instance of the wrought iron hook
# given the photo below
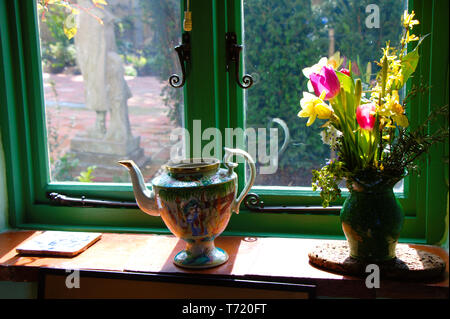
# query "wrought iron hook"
(184, 54)
(233, 55)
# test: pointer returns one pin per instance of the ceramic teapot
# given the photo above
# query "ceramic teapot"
(195, 198)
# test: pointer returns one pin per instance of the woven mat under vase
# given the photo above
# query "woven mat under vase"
(410, 264)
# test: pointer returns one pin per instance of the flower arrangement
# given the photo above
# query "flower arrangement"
(368, 129)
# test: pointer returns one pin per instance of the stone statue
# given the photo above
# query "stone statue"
(106, 92)
(105, 87)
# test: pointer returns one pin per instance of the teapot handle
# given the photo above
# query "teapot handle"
(230, 165)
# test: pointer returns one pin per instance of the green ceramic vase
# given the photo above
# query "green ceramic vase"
(372, 219)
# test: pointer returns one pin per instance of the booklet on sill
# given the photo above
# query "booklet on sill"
(58, 243)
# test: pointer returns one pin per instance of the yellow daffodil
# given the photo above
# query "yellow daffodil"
(392, 108)
(408, 38)
(394, 75)
(401, 120)
(411, 37)
(313, 107)
(408, 20)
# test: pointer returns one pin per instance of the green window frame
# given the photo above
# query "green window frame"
(208, 87)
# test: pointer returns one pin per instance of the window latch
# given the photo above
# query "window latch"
(184, 55)
(233, 56)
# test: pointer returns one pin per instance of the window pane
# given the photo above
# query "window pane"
(106, 89)
(284, 37)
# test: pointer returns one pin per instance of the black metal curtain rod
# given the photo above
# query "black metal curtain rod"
(252, 202)
(61, 199)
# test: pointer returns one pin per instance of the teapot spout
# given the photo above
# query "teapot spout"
(144, 197)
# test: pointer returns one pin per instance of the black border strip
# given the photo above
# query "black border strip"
(193, 279)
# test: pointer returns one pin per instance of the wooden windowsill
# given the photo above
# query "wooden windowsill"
(268, 259)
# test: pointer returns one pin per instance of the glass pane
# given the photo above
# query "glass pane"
(284, 37)
(106, 88)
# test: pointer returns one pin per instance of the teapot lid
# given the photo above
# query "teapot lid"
(192, 173)
(193, 165)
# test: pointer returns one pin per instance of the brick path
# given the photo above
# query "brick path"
(147, 112)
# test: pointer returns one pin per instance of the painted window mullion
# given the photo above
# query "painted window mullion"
(200, 92)
(9, 126)
(236, 94)
(437, 97)
(35, 98)
(20, 107)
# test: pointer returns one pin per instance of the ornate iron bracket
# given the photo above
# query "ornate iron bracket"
(184, 55)
(254, 203)
(233, 55)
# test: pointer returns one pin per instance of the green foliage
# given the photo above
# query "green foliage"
(327, 179)
(138, 61)
(57, 56)
(58, 51)
(130, 70)
(164, 18)
(282, 38)
(410, 145)
(353, 38)
(63, 167)
(86, 176)
(155, 56)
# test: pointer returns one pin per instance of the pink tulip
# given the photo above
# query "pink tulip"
(326, 81)
(365, 116)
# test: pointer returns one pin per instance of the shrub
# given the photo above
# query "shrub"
(58, 52)
(282, 38)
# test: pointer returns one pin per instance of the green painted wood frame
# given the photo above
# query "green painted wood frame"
(212, 96)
